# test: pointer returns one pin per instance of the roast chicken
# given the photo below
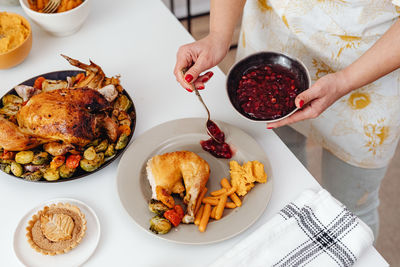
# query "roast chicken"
(63, 118)
(167, 172)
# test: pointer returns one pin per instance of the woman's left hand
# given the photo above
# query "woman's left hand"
(315, 100)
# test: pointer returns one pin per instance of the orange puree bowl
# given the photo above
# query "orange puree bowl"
(18, 54)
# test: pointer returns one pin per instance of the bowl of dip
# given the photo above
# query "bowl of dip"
(263, 86)
(15, 39)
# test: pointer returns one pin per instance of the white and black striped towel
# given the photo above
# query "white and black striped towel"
(313, 230)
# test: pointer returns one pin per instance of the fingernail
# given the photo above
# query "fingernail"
(269, 127)
(189, 90)
(205, 79)
(201, 87)
(188, 78)
(301, 103)
(211, 74)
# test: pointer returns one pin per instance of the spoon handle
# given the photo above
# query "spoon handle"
(201, 99)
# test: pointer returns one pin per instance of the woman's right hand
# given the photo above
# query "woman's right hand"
(197, 57)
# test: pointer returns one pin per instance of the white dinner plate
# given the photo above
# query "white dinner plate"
(185, 134)
(76, 257)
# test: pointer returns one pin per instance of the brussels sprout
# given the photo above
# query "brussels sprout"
(123, 116)
(122, 103)
(95, 142)
(51, 174)
(11, 99)
(92, 165)
(6, 161)
(9, 110)
(102, 146)
(160, 225)
(157, 207)
(33, 176)
(24, 157)
(110, 151)
(90, 153)
(122, 142)
(17, 169)
(5, 167)
(40, 158)
(66, 172)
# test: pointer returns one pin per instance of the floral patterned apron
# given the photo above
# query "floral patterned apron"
(363, 127)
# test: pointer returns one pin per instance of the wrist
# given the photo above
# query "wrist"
(345, 81)
(221, 38)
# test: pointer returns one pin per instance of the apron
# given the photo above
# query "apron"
(363, 127)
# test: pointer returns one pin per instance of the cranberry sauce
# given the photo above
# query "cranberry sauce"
(218, 149)
(267, 92)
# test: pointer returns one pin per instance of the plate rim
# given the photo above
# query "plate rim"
(162, 237)
(51, 201)
(84, 174)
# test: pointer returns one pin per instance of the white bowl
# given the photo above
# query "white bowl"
(59, 24)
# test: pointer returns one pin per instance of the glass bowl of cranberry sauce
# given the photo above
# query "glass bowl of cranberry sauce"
(263, 86)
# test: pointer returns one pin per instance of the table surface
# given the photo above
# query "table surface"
(139, 40)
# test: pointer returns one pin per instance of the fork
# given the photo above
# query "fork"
(51, 6)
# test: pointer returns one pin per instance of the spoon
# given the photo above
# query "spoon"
(215, 133)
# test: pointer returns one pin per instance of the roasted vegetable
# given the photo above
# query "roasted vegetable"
(160, 225)
(125, 122)
(5, 167)
(9, 110)
(57, 162)
(33, 176)
(73, 161)
(7, 155)
(123, 116)
(33, 168)
(95, 142)
(110, 151)
(90, 153)
(122, 142)
(24, 157)
(51, 174)
(11, 99)
(16, 169)
(157, 207)
(92, 165)
(40, 158)
(66, 172)
(122, 103)
(102, 146)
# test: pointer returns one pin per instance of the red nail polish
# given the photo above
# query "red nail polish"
(269, 128)
(201, 87)
(301, 103)
(189, 90)
(205, 80)
(188, 78)
(211, 74)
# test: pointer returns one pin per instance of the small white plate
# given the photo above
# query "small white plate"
(77, 256)
(185, 134)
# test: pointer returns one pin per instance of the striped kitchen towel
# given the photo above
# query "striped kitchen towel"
(313, 230)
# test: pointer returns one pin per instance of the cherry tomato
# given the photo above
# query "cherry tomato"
(179, 210)
(38, 82)
(173, 216)
(73, 161)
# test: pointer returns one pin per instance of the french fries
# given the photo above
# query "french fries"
(225, 184)
(199, 200)
(220, 206)
(205, 218)
(218, 192)
(213, 212)
(199, 214)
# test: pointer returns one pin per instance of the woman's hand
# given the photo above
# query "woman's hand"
(315, 100)
(197, 57)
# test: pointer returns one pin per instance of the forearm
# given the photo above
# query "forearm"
(224, 15)
(382, 58)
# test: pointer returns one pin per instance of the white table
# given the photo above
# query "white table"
(139, 40)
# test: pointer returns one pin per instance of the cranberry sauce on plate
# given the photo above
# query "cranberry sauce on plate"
(218, 149)
(267, 91)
